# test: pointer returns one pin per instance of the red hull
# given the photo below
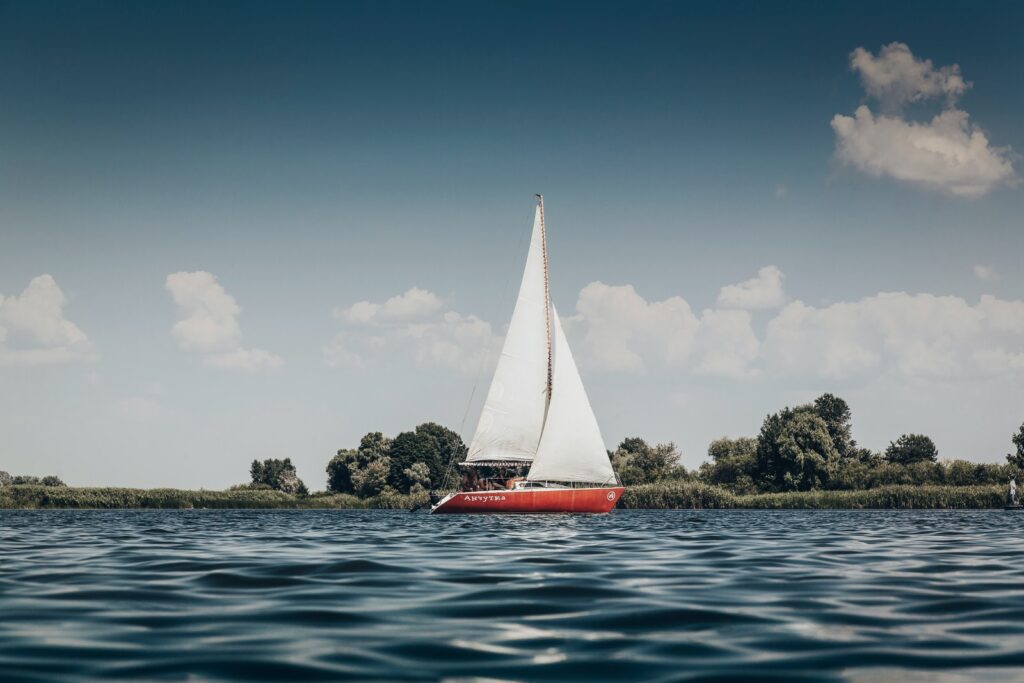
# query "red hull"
(591, 500)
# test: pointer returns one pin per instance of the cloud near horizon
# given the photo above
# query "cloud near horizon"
(34, 331)
(209, 324)
(615, 330)
(949, 153)
(413, 325)
(763, 291)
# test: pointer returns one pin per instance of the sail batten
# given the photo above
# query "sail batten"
(513, 415)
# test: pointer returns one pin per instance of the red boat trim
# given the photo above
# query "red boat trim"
(593, 500)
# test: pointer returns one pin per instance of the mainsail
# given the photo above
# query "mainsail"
(513, 414)
(571, 448)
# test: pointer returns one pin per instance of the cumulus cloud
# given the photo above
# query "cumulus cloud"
(34, 331)
(896, 76)
(763, 291)
(923, 336)
(208, 324)
(412, 325)
(618, 330)
(949, 153)
(209, 314)
(986, 273)
(911, 335)
(413, 304)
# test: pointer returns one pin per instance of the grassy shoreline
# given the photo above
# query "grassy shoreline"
(672, 495)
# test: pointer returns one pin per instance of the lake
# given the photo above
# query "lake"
(634, 595)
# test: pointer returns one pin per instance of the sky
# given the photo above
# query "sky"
(248, 230)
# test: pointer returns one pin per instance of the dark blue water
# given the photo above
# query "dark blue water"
(333, 595)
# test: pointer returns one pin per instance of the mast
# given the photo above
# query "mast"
(547, 292)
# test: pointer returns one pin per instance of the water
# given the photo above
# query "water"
(334, 595)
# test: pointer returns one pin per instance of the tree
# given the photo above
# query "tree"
(6, 479)
(431, 444)
(911, 448)
(52, 480)
(450, 446)
(371, 478)
(733, 464)
(373, 446)
(339, 477)
(836, 414)
(636, 462)
(419, 475)
(279, 475)
(1017, 458)
(795, 451)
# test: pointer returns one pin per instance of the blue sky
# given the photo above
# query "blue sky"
(312, 156)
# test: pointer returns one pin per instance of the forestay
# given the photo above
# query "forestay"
(571, 448)
(513, 414)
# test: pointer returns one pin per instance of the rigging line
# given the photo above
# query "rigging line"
(480, 370)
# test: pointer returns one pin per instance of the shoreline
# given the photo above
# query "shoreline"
(671, 495)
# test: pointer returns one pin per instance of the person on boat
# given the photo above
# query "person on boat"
(1013, 490)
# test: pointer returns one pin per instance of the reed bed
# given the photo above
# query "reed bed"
(697, 496)
(669, 495)
(28, 496)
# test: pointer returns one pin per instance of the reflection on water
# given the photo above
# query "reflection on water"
(274, 595)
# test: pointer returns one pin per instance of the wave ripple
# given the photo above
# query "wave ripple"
(635, 595)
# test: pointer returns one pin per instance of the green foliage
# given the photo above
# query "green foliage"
(430, 444)
(676, 495)
(885, 497)
(26, 480)
(279, 475)
(636, 462)
(372, 478)
(419, 475)
(35, 496)
(1017, 457)
(694, 495)
(733, 464)
(795, 451)
(837, 417)
(412, 461)
(911, 448)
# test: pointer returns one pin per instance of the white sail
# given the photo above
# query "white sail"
(513, 414)
(571, 448)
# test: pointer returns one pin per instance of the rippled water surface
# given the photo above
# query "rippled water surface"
(632, 595)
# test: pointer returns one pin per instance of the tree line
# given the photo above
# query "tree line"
(808, 447)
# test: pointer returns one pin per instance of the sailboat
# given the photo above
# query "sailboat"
(536, 417)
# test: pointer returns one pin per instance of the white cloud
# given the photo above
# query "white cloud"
(948, 153)
(410, 325)
(620, 331)
(763, 291)
(911, 335)
(209, 324)
(209, 314)
(986, 273)
(896, 76)
(415, 303)
(617, 330)
(33, 330)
